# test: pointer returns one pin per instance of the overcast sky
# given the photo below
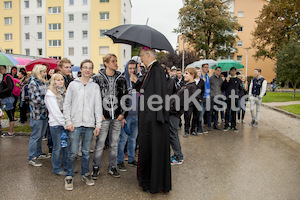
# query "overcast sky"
(162, 15)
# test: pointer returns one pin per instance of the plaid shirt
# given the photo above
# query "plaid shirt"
(37, 91)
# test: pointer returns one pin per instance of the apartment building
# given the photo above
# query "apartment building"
(64, 28)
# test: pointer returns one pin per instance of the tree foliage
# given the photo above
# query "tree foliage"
(288, 63)
(277, 23)
(170, 59)
(208, 26)
(135, 51)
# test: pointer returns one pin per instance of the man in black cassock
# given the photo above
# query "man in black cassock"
(154, 171)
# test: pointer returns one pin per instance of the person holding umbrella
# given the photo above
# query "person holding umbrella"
(154, 169)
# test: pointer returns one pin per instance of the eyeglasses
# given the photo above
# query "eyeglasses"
(87, 68)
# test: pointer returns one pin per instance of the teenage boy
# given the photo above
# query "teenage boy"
(257, 90)
(64, 66)
(232, 86)
(112, 87)
(82, 111)
(129, 129)
(216, 82)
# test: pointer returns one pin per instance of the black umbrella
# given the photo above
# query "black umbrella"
(139, 35)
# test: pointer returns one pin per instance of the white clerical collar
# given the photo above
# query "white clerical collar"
(151, 63)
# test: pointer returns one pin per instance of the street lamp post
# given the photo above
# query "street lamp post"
(182, 53)
(247, 60)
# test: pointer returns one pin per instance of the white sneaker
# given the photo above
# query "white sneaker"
(238, 121)
(69, 183)
(34, 162)
(244, 122)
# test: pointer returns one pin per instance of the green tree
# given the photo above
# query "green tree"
(170, 59)
(288, 64)
(208, 26)
(135, 51)
(277, 23)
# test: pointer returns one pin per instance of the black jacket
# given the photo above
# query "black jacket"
(6, 89)
(235, 85)
(119, 90)
(201, 86)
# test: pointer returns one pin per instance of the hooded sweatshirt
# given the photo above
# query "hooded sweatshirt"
(133, 101)
(83, 104)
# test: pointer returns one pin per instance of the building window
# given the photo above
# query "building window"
(71, 17)
(103, 50)
(8, 36)
(8, 20)
(104, 15)
(240, 13)
(239, 58)
(84, 50)
(39, 19)
(40, 52)
(7, 4)
(39, 35)
(27, 36)
(54, 43)
(27, 52)
(71, 51)
(124, 53)
(10, 51)
(54, 27)
(71, 34)
(26, 19)
(104, 1)
(240, 29)
(39, 3)
(55, 57)
(102, 31)
(26, 4)
(84, 16)
(71, 2)
(84, 2)
(239, 43)
(54, 10)
(124, 21)
(84, 34)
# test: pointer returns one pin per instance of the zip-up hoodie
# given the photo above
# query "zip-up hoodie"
(56, 117)
(83, 104)
(119, 90)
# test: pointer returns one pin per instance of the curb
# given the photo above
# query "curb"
(19, 133)
(282, 111)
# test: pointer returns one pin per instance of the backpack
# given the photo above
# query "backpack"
(17, 85)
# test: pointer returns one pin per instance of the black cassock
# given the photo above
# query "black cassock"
(154, 171)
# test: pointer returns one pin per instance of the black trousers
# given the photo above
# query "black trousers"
(233, 113)
(187, 119)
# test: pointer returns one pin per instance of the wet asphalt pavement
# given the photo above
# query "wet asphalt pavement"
(255, 163)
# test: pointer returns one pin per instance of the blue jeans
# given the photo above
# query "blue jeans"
(113, 142)
(56, 132)
(86, 134)
(132, 124)
(38, 129)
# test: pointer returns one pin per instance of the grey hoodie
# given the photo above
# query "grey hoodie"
(83, 104)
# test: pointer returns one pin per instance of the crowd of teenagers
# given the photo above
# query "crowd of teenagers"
(73, 111)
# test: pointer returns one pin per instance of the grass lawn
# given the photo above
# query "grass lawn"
(280, 97)
(25, 129)
(291, 108)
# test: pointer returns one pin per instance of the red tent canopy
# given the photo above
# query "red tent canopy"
(51, 62)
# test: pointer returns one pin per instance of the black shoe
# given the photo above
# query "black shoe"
(133, 163)
(209, 129)
(235, 129)
(122, 167)
(95, 173)
(226, 128)
(113, 171)
(217, 127)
